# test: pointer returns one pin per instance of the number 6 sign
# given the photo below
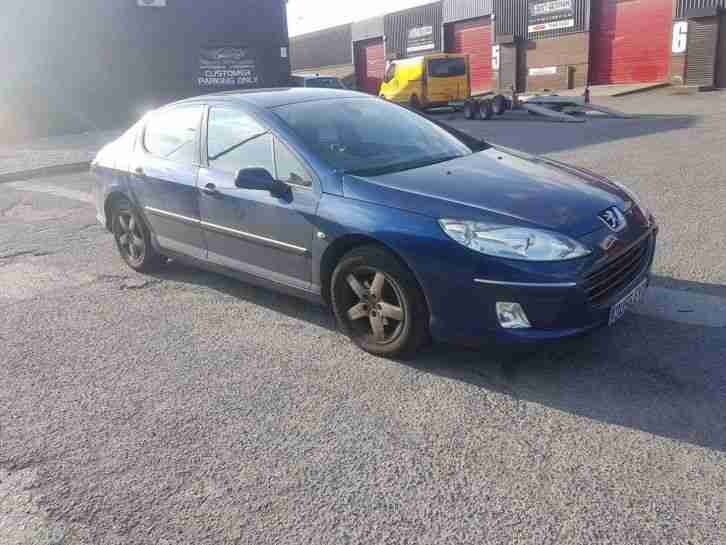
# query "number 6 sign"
(680, 37)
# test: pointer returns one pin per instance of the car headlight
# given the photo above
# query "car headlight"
(513, 242)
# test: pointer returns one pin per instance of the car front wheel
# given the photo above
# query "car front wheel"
(378, 303)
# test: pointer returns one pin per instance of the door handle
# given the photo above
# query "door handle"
(139, 171)
(210, 189)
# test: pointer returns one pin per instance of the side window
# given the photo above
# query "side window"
(236, 141)
(172, 134)
(390, 72)
(289, 168)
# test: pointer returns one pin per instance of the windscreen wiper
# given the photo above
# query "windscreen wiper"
(399, 167)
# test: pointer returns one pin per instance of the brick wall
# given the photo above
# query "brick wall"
(566, 53)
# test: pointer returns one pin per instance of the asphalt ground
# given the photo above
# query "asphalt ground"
(188, 408)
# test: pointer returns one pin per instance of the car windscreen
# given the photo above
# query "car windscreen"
(368, 136)
(447, 68)
(324, 83)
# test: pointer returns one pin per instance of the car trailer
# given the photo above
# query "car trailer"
(564, 109)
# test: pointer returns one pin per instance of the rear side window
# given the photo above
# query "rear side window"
(236, 141)
(172, 134)
(447, 68)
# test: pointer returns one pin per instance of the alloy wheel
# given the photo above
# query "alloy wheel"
(130, 238)
(375, 308)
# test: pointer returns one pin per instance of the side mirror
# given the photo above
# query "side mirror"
(257, 179)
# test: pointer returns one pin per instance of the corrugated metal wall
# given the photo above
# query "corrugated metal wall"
(328, 47)
(721, 55)
(510, 18)
(365, 30)
(460, 10)
(473, 37)
(370, 65)
(398, 25)
(581, 14)
(682, 6)
(702, 49)
(630, 42)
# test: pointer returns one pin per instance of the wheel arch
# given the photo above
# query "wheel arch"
(117, 195)
(341, 246)
(111, 200)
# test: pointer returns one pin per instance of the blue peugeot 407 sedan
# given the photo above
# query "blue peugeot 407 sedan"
(408, 229)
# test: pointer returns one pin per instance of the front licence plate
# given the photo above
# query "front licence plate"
(633, 298)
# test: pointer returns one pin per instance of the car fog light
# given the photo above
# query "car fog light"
(512, 316)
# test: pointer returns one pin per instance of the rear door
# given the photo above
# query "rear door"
(447, 79)
(164, 176)
(254, 231)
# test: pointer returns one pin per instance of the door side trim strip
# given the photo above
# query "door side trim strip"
(171, 215)
(228, 231)
(255, 238)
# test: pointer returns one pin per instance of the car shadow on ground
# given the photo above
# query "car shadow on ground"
(540, 135)
(648, 374)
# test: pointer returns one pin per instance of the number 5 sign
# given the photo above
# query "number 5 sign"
(495, 57)
(680, 37)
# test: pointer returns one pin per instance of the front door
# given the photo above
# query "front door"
(164, 178)
(254, 231)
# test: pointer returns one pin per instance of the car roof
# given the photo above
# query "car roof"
(272, 98)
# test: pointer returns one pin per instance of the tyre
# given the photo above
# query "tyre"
(469, 110)
(485, 110)
(499, 105)
(414, 103)
(378, 303)
(133, 238)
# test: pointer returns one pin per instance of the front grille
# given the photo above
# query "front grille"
(617, 274)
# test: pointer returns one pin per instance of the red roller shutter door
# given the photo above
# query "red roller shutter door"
(370, 65)
(630, 41)
(474, 38)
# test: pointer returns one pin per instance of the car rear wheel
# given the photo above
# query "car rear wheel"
(133, 239)
(378, 303)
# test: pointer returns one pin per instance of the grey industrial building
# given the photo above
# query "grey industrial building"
(538, 44)
(83, 64)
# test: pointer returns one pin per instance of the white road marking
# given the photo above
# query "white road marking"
(49, 189)
(685, 307)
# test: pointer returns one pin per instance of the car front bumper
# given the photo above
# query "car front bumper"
(560, 308)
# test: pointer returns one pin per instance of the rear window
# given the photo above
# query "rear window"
(172, 134)
(447, 68)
